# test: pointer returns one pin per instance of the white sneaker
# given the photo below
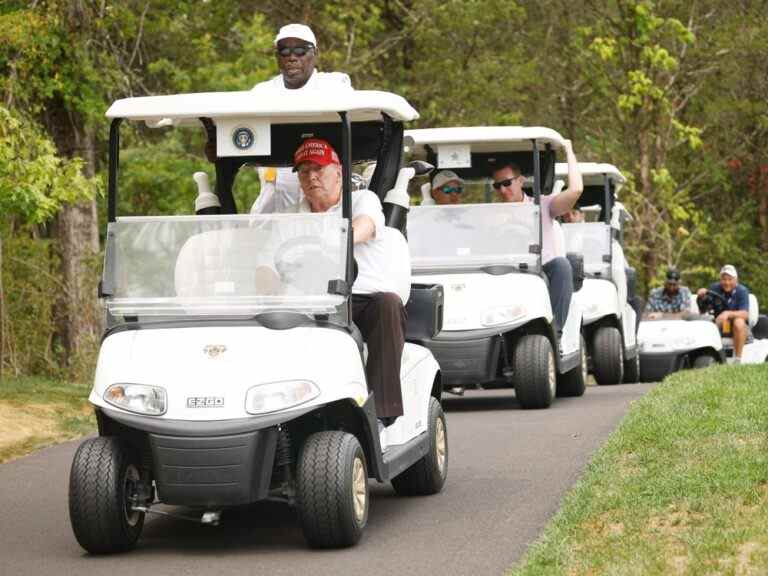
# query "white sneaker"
(382, 435)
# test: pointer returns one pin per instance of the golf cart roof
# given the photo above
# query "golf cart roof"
(284, 107)
(593, 173)
(486, 138)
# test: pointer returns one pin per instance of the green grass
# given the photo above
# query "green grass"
(680, 488)
(36, 412)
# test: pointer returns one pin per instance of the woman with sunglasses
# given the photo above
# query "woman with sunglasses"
(508, 182)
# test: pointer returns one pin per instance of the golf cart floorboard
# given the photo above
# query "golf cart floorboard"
(398, 458)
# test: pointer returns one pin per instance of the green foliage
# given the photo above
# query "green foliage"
(34, 180)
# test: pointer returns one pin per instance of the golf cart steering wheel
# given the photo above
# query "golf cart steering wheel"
(300, 261)
(711, 301)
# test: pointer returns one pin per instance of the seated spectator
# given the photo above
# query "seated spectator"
(669, 301)
(731, 310)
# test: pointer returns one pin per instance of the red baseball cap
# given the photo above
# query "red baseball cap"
(315, 150)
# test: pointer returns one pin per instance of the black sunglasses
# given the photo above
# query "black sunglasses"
(299, 51)
(453, 189)
(504, 183)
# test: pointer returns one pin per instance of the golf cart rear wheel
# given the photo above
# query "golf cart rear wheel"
(632, 370)
(535, 372)
(427, 476)
(332, 490)
(607, 355)
(103, 484)
(574, 382)
(703, 361)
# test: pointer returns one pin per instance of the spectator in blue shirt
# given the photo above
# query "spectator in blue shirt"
(670, 300)
(731, 309)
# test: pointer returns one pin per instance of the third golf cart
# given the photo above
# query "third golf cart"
(610, 322)
(230, 370)
(498, 328)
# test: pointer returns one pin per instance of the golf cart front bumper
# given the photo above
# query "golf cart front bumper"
(466, 358)
(655, 367)
(206, 463)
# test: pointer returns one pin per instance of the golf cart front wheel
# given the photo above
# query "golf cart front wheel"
(103, 484)
(535, 372)
(332, 490)
(703, 361)
(427, 476)
(608, 355)
(574, 382)
(632, 370)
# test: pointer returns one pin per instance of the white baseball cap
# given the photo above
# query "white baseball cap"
(445, 176)
(730, 270)
(300, 31)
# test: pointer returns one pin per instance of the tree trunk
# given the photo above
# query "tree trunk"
(2, 312)
(76, 229)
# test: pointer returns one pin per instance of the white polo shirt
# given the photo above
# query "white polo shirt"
(318, 81)
(373, 265)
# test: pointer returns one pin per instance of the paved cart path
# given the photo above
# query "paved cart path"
(508, 471)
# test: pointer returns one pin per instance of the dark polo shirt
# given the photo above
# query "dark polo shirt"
(738, 299)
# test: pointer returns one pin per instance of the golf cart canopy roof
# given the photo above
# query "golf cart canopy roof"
(486, 138)
(283, 107)
(593, 173)
(475, 152)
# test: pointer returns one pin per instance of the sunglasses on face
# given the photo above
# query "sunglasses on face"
(453, 189)
(504, 183)
(285, 51)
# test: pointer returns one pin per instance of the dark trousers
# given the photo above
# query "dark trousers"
(560, 275)
(381, 319)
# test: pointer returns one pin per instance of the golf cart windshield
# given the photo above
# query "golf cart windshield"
(224, 265)
(473, 236)
(593, 240)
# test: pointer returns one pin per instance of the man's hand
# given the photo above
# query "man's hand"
(701, 292)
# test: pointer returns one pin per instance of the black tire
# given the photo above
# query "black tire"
(607, 356)
(329, 490)
(574, 382)
(535, 372)
(653, 371)
(703, 361)
(632, 370)
(427, 476)
(103, 476)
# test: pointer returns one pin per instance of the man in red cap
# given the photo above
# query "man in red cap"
(377, 310)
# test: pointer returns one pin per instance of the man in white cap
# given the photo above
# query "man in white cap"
(296, 53)
(447, 187)
(731, 309)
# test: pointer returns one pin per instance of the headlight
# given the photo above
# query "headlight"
(503, 315)
(137, 398)
(274, 396)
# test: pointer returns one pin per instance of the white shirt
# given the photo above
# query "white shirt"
(373, 265)
(318, 81)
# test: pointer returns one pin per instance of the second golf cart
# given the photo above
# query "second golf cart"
(230, 370)
(610, 322)
(498, 328)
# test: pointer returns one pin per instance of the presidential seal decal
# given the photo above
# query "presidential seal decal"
(243, 138)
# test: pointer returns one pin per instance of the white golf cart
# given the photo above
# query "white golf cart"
(230, 370)
(609, 322)
(668, 345)
(498, 328)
